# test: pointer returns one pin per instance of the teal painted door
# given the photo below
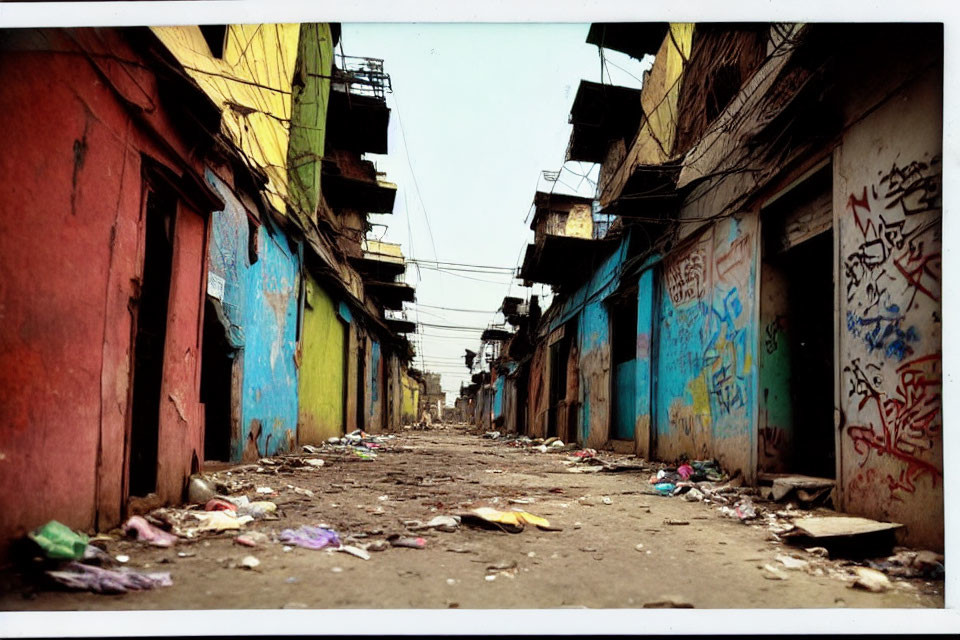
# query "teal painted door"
(624, 399)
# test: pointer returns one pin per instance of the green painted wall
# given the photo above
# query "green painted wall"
(309, 115)
(321, 367)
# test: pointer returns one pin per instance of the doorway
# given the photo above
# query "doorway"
(150, 340)
(623, 329)
(362, 379)
(216, 371)
(796, 363)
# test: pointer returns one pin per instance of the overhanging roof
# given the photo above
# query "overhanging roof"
(496, 335)
(381, 260)
(391, 294)
(600, 114)
(400, 326)
(544, 202)
(635, 39)
(557, 260)
(370, 196)
(357, 122)
(650, 192)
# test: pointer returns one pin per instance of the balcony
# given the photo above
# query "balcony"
(357, 114)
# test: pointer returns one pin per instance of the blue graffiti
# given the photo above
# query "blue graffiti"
(727, 387)
(884, 333)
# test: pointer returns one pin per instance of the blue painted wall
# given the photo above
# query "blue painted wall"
(643, 398)
(706, 385)
(498, 397)
(374, 388)
(260, 302)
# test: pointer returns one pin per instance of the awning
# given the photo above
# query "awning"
(650, 192)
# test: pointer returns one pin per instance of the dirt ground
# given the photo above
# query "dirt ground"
(596, 561)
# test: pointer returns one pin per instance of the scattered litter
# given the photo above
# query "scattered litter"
(665, 488)
(314, 462)
(685, 471)
(444, 523)
(252, 539)
(820, 552)
(668, 602)
(59, 541)
(146, 532)
(746, 510)
(584, 469)
(639, 547)
(123, 559)
(510, 521)
(493, 470)
(606, 500)
(249, 562)
(310, 537)
(218, 504)
(217, 521)
(378, 545)
(200, 490)
(312, 449)
(871, 580)
(772, 573)
(586, 453)
(397, 540)
(792, 563)
(186, 554)
(258, 510)
(75, 575)
(265, 490)
(675, 522)
(694, 495)
(490, 578)
(355, 551)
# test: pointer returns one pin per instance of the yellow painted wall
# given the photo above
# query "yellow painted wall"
(252, 84)
(410, 391)
(580, 221)
(321, 367)
(660, 98)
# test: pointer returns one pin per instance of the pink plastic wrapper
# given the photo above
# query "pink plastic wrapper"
(88, 578)
(685, 471)
(148, 533)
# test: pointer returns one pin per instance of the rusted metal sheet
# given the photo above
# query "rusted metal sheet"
(887, 203)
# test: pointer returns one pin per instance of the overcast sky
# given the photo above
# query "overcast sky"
(483, 109)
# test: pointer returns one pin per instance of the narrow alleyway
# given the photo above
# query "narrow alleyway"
(619, 544)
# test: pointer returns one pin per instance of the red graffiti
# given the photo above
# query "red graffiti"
(853, 203)
(909, 421)
(738, 253)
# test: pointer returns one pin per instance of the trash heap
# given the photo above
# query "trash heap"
(73, 560)
(543, 445)
(357, 443)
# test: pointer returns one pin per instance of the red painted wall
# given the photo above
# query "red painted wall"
(71, 252)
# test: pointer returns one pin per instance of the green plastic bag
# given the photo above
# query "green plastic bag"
(59, 541)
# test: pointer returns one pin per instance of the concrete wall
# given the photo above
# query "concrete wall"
(260, 302)
(705, 396)
(887, 211)
(321, 367)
